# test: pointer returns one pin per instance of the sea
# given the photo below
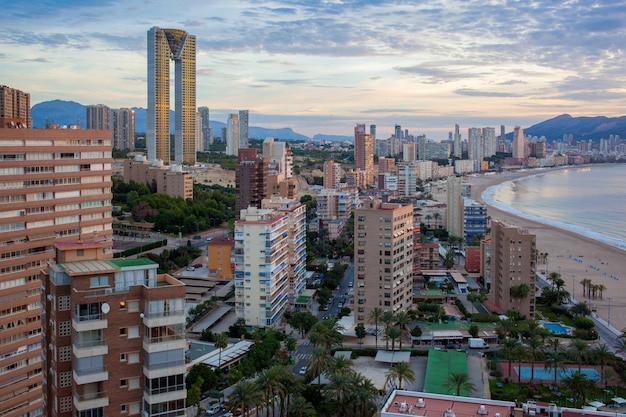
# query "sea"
(589, 200)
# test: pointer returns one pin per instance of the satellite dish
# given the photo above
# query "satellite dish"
(105, 308)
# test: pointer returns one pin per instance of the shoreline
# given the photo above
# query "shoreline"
(575, 256)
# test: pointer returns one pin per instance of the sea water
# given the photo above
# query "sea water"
(590, 200)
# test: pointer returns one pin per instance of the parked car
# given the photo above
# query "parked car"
(214, 409)
(197, 266)
(208, 239)
(302, 370)
(191, 268)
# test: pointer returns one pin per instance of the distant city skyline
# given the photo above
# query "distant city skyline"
(324, 67)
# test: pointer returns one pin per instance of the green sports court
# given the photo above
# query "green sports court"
(441, 363)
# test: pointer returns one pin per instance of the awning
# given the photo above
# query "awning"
(596, 404)
(619, 400)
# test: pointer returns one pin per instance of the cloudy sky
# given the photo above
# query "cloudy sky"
(323, 66)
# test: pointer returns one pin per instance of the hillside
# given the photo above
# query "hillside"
(583, 128)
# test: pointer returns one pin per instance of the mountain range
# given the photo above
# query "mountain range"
(583, 128)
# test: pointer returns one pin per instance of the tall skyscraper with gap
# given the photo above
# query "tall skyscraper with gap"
(165, 45)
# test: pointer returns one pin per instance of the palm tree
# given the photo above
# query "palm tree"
(552, 277)
(520, 353)
(580, 309)
(578, 351)
(401, 371)
(341, 364)
(363, 395)
(436, 216)
(270, 383)
(509, 347)
(601, 289)
(221, 341)
(602, 355)
(429, 218)
(620, 344)
(402, 319)
(326, 333)
(393, 334)
(534, 344)
(457, 382)
(375, 317)
(554, 356)
(338, 386)
(579, 385)
(388, 319)
(245, 396)
(320, 363)
(295, 386)
(300, 407)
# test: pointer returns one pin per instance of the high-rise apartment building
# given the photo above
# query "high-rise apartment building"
(165, 45)
(198, 140)
(458, 149)
(279, 157)
(250, 180)
(98, 117)
(123, 127)
(55, 186)
(454, 212)
(14, 108)
(520, 143)
(364, 153)
(113, 336)
(512, 269)
(243, 129)
(474, 219)
(373, 131)
(490, 143)
(383, 258)
(332, 174)
(232, 135)
(207, 132)
(265, 285)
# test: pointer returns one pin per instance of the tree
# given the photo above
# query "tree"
(578, 351)
(193, 394)
(449, 259)
(300, 407)
(270, 383)
(509, 347)
(320, 363)
(402, 319)
(360, 333)
(375, 317)
(602, 355)
(363, 395)
(326, 333)
(393, 334)
(554, 357)
(245, 396)
(401, 372)
(457, 382)
(473, 330)
(221, 341)
(337, 388)
(388, 319)
(534, 343)
(579, 385)
(580, 309)
(341, 364)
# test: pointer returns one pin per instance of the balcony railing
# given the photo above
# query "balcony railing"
(158, 314)
(161, 339)
(163, 390)
(90, 396)
(90, 371)
(89, 317)
(84, 344)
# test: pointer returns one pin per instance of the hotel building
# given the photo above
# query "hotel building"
(512, 266)
(268, 255)
(98, 117)
(165, 45)
(250, 180)
(55, 185)
(383, 258)
(123, 127)
(113, 336)
(364, 153)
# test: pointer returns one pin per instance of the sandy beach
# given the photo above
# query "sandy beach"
(575, 256)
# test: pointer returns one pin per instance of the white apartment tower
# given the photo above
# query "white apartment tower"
(243, 129)
(268, 255)
(454, 212)
(232, 135)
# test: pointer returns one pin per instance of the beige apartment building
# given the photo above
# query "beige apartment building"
(383, 258)
(512, 269)
(55, 185)
(171, 180)
(113, 336)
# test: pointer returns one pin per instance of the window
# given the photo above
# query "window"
(123, 383)
(65, 328)
(122, 331)
(65, 379)
(133, 357)
(122, 305)
(133, 332)
(65, 404)
(64, 302)
(133, 306)
(122, 357)
(99, 281)
(133, 383)
(65, 354)
(123, 408)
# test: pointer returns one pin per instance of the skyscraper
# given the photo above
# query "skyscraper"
(165, 45)
(98, 117)
(519, 143)
(332, 174)
(243, 129)
(250, 180)
(232, 135)
(364, 153)
(207, 134)
(14, 108)
(123, 127)
(454, 212)
(458, 149)
(56, 187)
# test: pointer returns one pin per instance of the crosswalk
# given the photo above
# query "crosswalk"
(303, 356)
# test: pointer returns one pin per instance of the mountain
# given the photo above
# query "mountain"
(321, 136)
(69, 112)
(583, 128)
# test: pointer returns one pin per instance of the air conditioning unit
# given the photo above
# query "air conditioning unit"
(22, 212)
(108, 291)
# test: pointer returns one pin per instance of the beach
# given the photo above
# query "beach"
(576, 257)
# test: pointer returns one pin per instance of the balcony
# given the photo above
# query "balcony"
(156, 396)
(160, 344)
(174, 413)
(163, 318)
(88, 401)
(86, 348)
(86, 322)
(159, 370)
(90, 375)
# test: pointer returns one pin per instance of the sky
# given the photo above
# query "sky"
(324, 66)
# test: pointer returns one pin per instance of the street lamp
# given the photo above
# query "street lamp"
(609, 318)
(573, 288)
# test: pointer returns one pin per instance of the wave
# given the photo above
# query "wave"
(488, 196)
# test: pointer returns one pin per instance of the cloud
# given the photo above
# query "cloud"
(39, 60)
(476, 93)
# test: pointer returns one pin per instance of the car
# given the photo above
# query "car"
(340, 305)
(302, 370)
(350, 284)
(324, 307)
(208, 239)
(191, 268)
(214, 409)
(197, 266)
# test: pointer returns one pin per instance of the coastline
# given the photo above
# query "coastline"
(576, 256)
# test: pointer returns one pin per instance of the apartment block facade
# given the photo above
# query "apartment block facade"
(172, 180)
(14, 108)
(113, 336)
(250, 179)
(55, 185)
(269, 256)
(383, 258)
(513, 269)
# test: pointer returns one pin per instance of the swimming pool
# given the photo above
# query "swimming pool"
(557, 328)
(548, 375)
